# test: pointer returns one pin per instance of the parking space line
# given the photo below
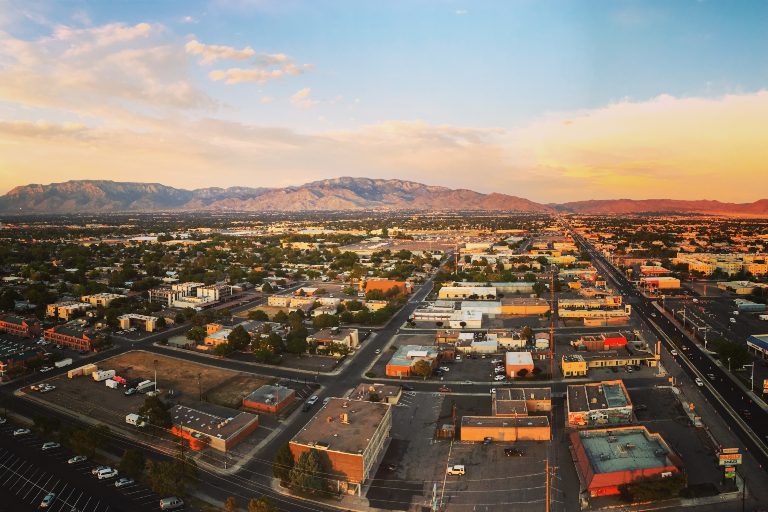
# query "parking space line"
(33, 486)
(11, 472)
(41, 488)
(65, 501)
(19, 476)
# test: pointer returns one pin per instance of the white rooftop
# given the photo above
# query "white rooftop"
(519, 358)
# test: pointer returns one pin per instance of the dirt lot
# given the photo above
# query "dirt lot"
(180, 375)
(271, 311)
(230, 393)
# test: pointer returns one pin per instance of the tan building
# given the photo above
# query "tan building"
(523, 306)
(385, 392)
(534, 400)
(352, 434)
(145, 322)
(67, 310)
(598, 404)
(326, 338)
(101, 299)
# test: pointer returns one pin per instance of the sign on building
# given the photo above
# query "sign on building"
(730, 459)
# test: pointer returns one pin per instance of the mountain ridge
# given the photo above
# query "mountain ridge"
(344, 193)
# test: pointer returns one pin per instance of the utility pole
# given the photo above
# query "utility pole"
(546, 487)
(155, 364)
(552, 323)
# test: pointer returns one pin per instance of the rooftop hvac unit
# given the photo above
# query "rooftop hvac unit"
(344, 418)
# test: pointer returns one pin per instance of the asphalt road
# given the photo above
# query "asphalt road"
(689, 355)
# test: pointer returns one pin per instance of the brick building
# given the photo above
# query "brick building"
(69, 336)
(18, 326)
(270, 399)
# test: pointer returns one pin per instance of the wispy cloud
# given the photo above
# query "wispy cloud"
(210, 53)
(301, 98)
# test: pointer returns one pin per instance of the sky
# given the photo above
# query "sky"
(554, 101)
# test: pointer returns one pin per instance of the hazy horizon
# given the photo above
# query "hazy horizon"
(552, 101)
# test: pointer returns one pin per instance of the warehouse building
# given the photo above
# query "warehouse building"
(598, 404)
(352, 434)
(608, 458)
(535, 400)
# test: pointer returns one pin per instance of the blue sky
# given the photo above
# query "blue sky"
(481, 80)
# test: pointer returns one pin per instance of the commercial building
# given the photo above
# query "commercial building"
(747, 306)
(101, 299)
(18, 359)
(741, 287)
(401, 364)
(758, 345)
(654, 270)
(205, 429)
(214, 292)
(433, 313)
(380, 392)
(327, 339)
(19, 326)
(145, 322)
(600, 342)
(533, 400)
(270, 399)
(730, 264)
(384, 286)
(516, 362)
(577, 365)
(466, 319)
(352, 434)
(524, 306)
(67, 310)
(598, 404)
(573, 365)
(596, 307)
(69, 336)
(505, 428)
(608, 458)
(660, 283)
(467, 292)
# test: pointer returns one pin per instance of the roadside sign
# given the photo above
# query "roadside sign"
(730, 459)
(730, 472)
(765, 386)
(729, 450)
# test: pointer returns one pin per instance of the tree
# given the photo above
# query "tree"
(259, 315)
(280, 317)
(266, 288)
(282, 464)
(196, 334)
(162, 323)
(323, 321)
(230, 505)
(87, 440)
(374, 397)
(156, 412)
(262, 504)
(422, 369)
(306, 474)
(526, 333)
(539, 288)
(239, 338)
(132, 463)
(522, 372)
(167, 478)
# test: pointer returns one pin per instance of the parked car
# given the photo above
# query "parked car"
(47, 500)
(50, 446)
(95, 471)
(106, 473)
(171, 503)
(124, 482)
(408, 387)
(21, 431)
(698, 382)
(76, 459)
(673, 352)
(445, 369)
(312, 400)
(487, 440)
(130, 391)
(377, 351)
(499, 378)
(456, 470)
(2, 421)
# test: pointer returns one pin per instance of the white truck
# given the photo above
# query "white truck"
(762, 317)
(100, 375)
(135, 420)
(63, 363)
(145, 386)
(111, 383)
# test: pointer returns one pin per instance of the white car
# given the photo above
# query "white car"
(124, 482)
(698, 382)
(76, 459)
(312, 400)
(2, 421)
(499, 378)
(21, 431)
(106, 473)
(493, 391)
(50, 446)
(377, 351)
(673, 352)
(445, 368)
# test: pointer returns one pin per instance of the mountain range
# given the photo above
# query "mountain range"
(326, 195)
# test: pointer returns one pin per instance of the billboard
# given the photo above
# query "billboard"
(729, 459)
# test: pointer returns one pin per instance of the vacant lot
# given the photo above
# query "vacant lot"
(179, 375)
(231, 392)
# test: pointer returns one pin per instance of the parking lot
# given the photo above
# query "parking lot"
(28, 474)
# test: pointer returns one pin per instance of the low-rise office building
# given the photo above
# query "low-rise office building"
(326, 339)
(67, 310)
(19, 326)
(70, 336)
(535, 400)
(101, 299)
(204, 429)
(505, 428)
(145, 322)
(517, 362)
(270, 399)
(577, 365)
(352, 434)
(401, 364)
(377, 393)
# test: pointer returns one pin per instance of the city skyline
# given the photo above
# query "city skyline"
(552, 101)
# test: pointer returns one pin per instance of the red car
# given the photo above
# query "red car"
(444, 390)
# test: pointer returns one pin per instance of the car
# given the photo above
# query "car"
(456, 470)
(130, 391)
(124, 482)
(76, 459)
(445, 369)
(2, 421)
(326, 400)
(747, 414)
(493, 391)
(306, 408)
(698, 382)
(499, 378)
(46, 369)
(444, 389)
(377, 351)
(673, 352)
(21, 431)
(171, 503)
(408, 387)
(50, 446)
(47, 500)
(106, 473)
(458, 358)
(513, 452)
(628, 369)
(711, 376)
(391, 467)
(312, 400)
(95, 471)
(641, 407)
(487, 440)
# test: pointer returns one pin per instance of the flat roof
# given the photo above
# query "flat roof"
(633, 449)
(269, 394)
(362, 391)
(523, 394)
(518, 407)
(210, 424)
(331, 434)
(401, 356)
(597, 396)
(498, 421)
(519, 358)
